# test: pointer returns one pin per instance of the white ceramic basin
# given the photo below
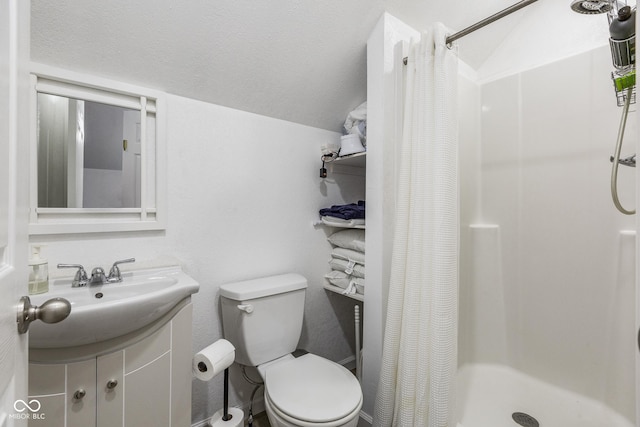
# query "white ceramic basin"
(103, 312)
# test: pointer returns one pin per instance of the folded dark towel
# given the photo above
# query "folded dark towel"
(349, 211)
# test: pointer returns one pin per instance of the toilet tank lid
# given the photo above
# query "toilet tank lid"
(264, 286)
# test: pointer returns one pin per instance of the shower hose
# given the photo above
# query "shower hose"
(616, 156)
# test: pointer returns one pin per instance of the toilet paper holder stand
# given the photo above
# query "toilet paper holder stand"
(226, 416)
(209, 363)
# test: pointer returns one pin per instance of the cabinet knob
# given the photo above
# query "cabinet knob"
(111, 384)
(79, 394)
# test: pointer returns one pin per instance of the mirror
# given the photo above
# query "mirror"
(97, 153)
(88, 154)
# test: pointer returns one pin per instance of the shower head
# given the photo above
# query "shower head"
(591, 7)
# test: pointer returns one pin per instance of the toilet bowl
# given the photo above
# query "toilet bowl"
(310, 391)
(262, 318)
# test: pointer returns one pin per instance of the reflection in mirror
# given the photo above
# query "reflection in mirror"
(88, 154)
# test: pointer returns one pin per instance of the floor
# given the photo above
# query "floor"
(260, 420)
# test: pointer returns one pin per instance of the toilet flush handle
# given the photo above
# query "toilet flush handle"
(246, 307)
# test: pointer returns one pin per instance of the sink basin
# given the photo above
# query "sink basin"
(103, 312)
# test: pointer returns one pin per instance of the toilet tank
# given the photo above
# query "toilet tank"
(262, 317)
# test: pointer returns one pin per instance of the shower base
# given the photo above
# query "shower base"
(490, 395)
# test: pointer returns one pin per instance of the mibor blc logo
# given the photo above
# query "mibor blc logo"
(27, 410)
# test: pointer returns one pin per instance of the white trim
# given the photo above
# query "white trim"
(93, 82)
(349, 362)
(366, 417)
(76, 91)
(33, 148)
(205, 422)
(143, 155)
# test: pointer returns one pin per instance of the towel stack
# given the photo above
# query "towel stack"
(349, 215)
(347, 261)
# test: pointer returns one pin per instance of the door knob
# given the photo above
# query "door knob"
(51, 311)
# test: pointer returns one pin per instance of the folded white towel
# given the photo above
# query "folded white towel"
(343, 280)
(348, 267)
(339, 222)
(348, 254)
(351, 238)
(354, 288)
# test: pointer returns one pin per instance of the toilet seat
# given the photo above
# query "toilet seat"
(311, 390)
(280, 419)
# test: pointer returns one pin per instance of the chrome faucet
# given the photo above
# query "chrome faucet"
(80, 279)
(97, 277)
(97, 274)
(114, 274)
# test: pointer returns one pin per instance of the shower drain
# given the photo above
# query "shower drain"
(525, 420)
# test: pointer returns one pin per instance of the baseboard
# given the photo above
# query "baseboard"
(365, 420)
(204, 423)
(258, 406)
(349, 363)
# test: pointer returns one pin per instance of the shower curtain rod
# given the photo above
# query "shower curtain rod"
(489, 20)
(496, 16)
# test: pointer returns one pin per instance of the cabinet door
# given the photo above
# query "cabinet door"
(147, 381)
(110, 390)
(146, 384)
(46, 385)
(148, 394)
(81, 394)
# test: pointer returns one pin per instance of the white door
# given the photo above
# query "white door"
(14, 53)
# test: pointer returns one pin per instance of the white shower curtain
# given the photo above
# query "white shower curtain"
(420, 344)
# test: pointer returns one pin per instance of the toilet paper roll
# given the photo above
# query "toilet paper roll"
(213, 359)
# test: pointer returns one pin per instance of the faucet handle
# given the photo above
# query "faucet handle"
(80, 279)
(114, 273)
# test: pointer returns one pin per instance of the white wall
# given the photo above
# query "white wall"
(550, 289)
(243, 191)
(548, 31)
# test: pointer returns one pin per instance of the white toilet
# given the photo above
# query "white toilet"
(262, 318)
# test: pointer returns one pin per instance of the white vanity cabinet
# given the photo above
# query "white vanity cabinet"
(146, 383)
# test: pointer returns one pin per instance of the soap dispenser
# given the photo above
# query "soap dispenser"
(38, 272)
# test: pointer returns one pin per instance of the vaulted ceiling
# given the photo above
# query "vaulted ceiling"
(297, 60)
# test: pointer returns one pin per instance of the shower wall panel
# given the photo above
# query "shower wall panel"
(566, 257)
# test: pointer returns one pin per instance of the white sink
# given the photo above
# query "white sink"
(103, 312)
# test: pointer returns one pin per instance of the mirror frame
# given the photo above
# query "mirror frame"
(151, 215)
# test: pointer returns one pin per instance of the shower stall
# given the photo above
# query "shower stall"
(548, 286)
(548, 289)
(547, 293)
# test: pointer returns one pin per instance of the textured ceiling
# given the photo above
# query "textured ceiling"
(297, 60)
